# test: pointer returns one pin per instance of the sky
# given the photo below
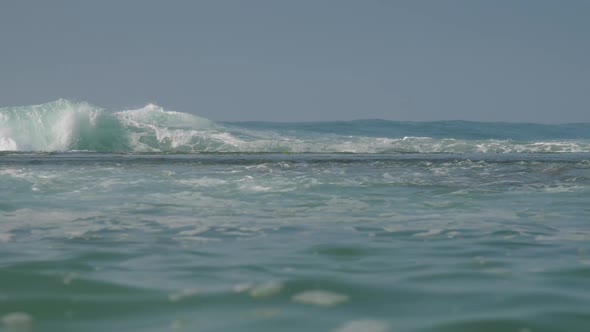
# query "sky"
(304, 60)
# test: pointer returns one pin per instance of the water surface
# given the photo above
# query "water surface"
(174, 223)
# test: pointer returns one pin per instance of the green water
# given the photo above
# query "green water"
(294, 242)
(153, 220)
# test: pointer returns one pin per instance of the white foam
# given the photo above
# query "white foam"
(267, 289)
(183, 294)
(174, 131)
(5, 237)
(69, 278)
(196, 231)
(430, 232)
(7, 143)
(60, 125)
(320, 298)
(155, 116)
(46, 127)
(17, 321)
(203, 182)
(364, 325)
(14, 173)
(255, 188)
(242, 288)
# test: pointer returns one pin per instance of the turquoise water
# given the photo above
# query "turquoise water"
(151, 220)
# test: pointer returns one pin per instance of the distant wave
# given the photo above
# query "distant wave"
(65, 125)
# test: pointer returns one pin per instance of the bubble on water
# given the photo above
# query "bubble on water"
(320, 298)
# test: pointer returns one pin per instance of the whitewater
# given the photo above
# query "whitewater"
(156, 220)
(64, 125)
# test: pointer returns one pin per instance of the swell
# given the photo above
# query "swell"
(64, 125)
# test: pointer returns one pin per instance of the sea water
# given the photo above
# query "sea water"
(153, 220)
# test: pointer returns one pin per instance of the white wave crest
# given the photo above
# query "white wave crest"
(46, 127)
(65, 125)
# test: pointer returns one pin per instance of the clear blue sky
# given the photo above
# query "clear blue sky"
(304, 60)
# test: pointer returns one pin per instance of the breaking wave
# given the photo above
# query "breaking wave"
(65, 125)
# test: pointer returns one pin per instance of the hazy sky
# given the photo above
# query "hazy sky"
(304, 60)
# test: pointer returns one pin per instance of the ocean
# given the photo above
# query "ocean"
(153, 220)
